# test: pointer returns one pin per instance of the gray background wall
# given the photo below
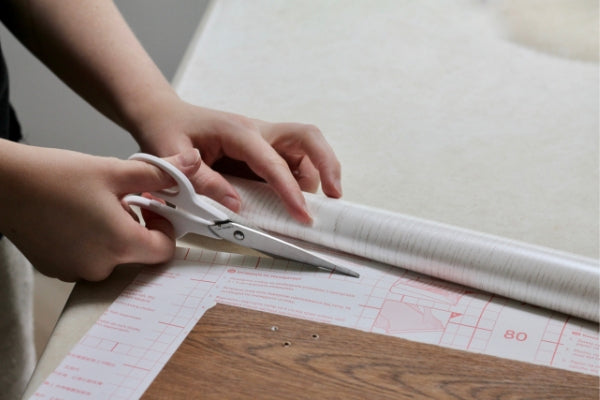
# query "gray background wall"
(52, 115)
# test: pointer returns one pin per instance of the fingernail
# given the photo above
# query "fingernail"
(306, 218)
(232, 203)
(338, 186)
(309, 220)
(189, 157)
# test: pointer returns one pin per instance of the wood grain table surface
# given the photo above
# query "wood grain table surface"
(235, 353)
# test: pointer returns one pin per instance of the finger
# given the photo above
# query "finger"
(130, 211)
(301, 167)
(155, 221)
(212, 184)
(139, 176)
(188, 161)
(125, 241)
(229, 166)
(150, 244)
(269, 165)
(309, 139)
(305, 174)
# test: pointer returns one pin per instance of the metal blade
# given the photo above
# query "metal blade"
(270, 245)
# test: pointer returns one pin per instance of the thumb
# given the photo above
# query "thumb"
(139, 176)
(152, 244)
(188, 161)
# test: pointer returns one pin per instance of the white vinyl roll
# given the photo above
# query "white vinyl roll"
(533, 274)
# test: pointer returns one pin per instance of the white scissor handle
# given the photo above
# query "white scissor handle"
(183, 222)
(184, 196)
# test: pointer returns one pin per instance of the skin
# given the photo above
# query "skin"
(63, 209)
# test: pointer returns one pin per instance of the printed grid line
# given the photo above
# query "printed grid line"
(465, 319)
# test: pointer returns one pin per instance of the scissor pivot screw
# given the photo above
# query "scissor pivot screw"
(239, 235)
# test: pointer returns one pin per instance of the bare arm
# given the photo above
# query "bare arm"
(90, 47)
(64, 210)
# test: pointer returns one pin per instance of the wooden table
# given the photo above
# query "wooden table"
(432, 111)
(237, 353)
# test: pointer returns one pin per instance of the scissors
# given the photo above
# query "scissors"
(190, 213)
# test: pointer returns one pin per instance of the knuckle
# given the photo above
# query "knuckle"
(96, 273)
(120, 250)
(111, 166)
(166, 255)
(207, 183)
(313, 130)
(271, 166)
(239, 123)
(275, 162)
(328, 164)
(336, 165)
(119, 241)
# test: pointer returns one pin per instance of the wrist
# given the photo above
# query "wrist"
(146, 115)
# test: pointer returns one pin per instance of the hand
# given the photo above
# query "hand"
(64, 210)
(289, 156)
(126, 86)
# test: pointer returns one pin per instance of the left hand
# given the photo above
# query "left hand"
(91, 48)
(289, 156)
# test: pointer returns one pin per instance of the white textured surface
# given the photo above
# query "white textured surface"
(432, 112)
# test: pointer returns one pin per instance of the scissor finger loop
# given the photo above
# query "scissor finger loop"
(183, 196)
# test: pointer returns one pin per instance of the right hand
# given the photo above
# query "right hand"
(64, 210)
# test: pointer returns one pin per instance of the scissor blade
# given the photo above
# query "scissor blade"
(270, 245)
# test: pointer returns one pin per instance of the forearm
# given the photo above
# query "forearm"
(89, 46)
(8, 176)
(25, 173)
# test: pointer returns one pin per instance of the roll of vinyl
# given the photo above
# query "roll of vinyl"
(532, 274)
